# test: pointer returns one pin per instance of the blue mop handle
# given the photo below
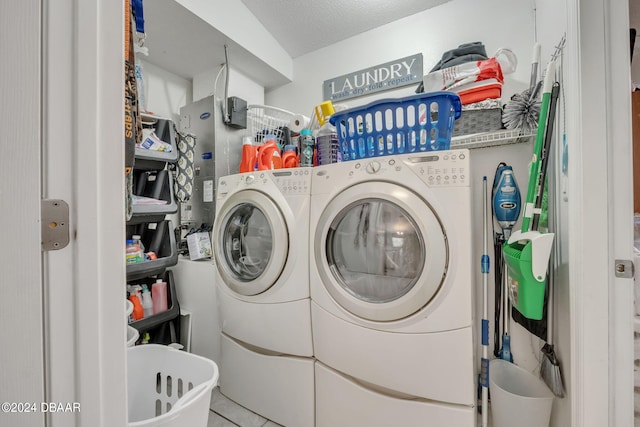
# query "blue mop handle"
(484, 268)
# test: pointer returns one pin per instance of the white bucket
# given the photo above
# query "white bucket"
(518, 398)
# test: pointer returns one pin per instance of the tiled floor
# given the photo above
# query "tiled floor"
(226, 413)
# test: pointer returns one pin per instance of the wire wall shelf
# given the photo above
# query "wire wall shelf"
(492, 139)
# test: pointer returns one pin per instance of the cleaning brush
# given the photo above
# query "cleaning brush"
(523, 110)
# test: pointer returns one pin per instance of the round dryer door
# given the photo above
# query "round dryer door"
(381, 251)
(252, 242)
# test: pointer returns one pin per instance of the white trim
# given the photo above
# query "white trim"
(587, 260)
(83, 164)
(598, 207)
(619, 143)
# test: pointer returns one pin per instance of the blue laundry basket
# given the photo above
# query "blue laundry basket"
(413, 124)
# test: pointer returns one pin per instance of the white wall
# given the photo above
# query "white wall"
(494, 22)
(165, 92)
(239, 85)
(235, 21)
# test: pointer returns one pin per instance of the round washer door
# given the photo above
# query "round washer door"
(252, 242)
(381, 251)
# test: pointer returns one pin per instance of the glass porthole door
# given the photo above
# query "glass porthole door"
(252, 242)
(381, 251)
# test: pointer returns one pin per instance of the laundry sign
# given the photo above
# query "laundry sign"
(390, 75)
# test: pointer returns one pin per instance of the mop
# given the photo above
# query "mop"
(484, 268)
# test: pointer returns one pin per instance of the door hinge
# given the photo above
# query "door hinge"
(54, 215)
(624, 268)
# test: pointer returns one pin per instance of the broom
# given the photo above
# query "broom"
(550, 368)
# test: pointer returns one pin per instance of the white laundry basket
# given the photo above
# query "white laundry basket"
(168, 387)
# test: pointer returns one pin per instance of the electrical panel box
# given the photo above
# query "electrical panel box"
(237, 110)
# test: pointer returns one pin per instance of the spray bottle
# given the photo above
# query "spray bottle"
(147, 302)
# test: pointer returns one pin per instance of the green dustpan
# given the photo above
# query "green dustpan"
(527, 258)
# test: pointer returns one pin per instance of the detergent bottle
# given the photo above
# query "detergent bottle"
(290, 157)
(138, 311)
(327, 146)
(269, 154)
(249, 152)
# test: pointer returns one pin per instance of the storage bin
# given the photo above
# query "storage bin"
(168, 387)
(417, 123)
(478, 121)
(157, 237)
(154, 160)
(164, 327)
(156, 185)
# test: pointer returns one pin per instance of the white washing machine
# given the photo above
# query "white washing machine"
(261, 243)
(392, 291)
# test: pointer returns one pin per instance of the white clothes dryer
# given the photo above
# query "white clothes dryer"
(261, 243)
(392, 290)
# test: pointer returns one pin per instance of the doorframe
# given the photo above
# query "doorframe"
(601, 212)
(22, 368)
(83, 163)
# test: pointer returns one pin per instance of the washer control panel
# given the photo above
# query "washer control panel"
(289, 181)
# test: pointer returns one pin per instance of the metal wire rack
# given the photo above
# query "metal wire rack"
(263, 120)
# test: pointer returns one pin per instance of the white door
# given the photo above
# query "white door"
(61, 111)
(381, 251)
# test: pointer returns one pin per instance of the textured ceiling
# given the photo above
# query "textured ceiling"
(302, 26)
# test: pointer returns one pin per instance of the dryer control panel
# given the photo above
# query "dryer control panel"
(438, 168)
(293, 181)
(443, 168)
